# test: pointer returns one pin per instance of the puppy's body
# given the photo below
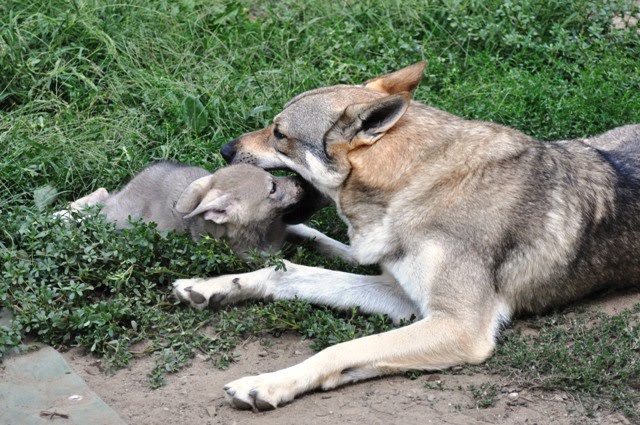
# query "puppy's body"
(152, 194)
(242, 204)
(472, 222)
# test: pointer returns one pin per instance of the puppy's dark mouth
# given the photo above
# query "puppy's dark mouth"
(283, 169)
(311, 201)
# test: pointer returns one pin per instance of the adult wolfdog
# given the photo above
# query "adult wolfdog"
(472, 222)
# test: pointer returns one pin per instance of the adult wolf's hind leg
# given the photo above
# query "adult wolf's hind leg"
(437, 342)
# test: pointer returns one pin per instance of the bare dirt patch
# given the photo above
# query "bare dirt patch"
(194, 395)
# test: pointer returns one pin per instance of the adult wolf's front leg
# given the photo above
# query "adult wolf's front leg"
(321, 242)
(373, 294)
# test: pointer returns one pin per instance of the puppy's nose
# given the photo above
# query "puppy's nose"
(228, 151)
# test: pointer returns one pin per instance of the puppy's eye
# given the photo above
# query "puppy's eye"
(278, 135)
(273, 188)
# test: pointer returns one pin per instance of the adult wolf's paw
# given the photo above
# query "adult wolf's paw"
(261, 392)
(203, 293)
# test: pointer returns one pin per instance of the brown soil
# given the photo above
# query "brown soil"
(194, 395)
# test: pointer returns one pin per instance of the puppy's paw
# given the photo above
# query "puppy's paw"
(261, 392)
(63, 215)
(213, 293)
(99, 196)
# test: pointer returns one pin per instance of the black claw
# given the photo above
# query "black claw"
(259, 403)
(229, 391)
(241, 404)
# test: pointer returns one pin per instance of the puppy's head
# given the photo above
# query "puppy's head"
(316, 130)
(243, 194)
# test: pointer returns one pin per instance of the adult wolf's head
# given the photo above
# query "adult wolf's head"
(316, 131)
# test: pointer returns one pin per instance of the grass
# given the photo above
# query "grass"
(596, 356)
(91, 91)
(484, 395)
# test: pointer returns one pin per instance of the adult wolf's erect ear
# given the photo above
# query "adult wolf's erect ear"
(365, 123)
(405, 79)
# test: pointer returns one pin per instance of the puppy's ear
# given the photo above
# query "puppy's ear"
(365, 123)
(405, 79)
(215, 206)
(193, 194)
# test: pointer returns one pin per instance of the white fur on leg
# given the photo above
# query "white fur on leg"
(322, 242)
(373, 294)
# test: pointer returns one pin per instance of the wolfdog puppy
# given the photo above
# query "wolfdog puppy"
(242, 204)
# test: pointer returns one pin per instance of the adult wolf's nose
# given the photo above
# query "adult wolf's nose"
(228, 151)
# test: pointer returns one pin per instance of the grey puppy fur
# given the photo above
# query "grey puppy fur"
(242, 204)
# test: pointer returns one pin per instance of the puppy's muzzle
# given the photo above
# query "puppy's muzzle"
(310, 202)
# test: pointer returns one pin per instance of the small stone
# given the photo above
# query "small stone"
(212, 411)
(431, 397)
(297, 352)
(263, 354)
(433, 377)
(456, 368)
(513, 396)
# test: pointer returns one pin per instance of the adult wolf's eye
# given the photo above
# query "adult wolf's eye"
(273, 188)
(278, 135)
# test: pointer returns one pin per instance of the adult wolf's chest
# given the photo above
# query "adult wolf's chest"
(371, 236)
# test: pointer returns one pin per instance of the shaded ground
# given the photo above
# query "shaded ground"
(194, 395)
